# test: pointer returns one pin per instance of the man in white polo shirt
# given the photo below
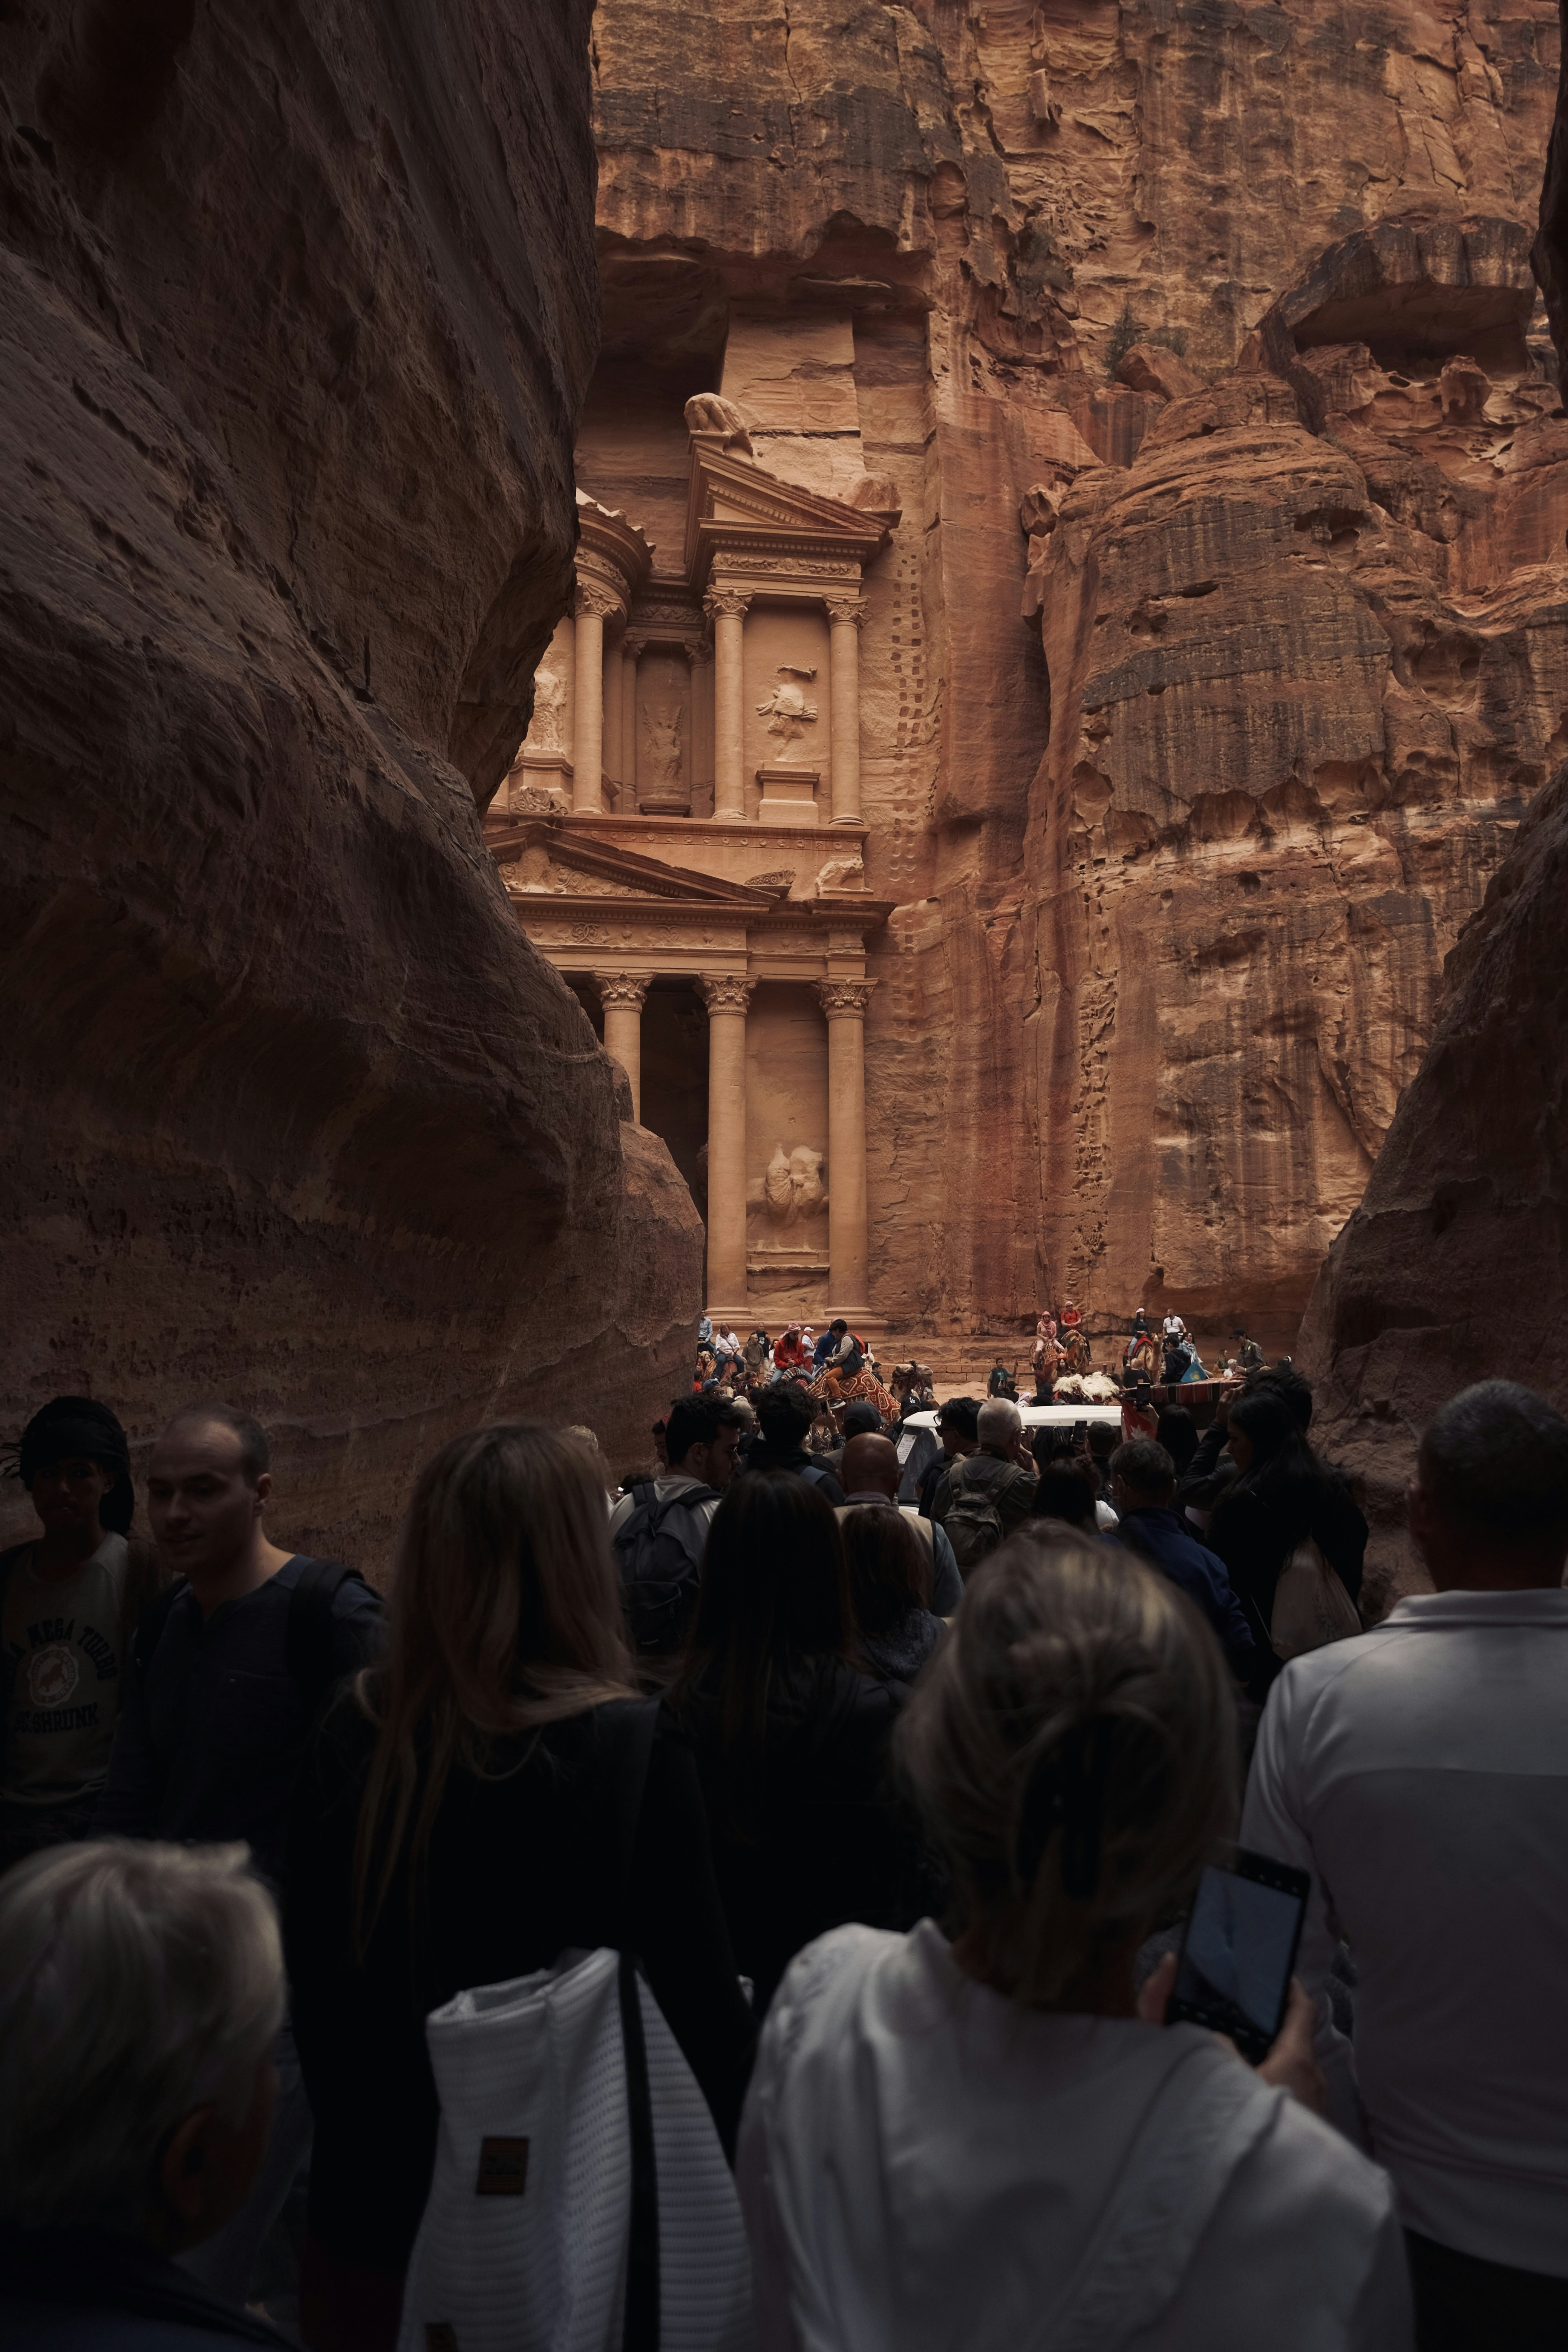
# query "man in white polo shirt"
(1420, 1772)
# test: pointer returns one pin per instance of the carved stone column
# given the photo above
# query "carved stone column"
(594, 606)
(621, 993)
(612, 744)
(631, 654)
(698, 654)
(845, 619)
(726, 998)
(845, 1001)
(726, 608)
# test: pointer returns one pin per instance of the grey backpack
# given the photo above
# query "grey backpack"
(972, 1522)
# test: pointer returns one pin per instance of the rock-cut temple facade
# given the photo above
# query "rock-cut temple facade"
(682, 836)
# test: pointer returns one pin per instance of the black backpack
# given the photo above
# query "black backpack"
(308, 1638)
(659, 1576)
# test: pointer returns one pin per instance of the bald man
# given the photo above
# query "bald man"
(869, 1472)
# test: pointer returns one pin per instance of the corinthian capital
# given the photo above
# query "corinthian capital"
(839, 996)
(621, 988)
(847, 608)
(594, 597)
(725, 992)
(725, 600)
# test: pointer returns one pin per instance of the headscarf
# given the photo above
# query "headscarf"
(69, 1427)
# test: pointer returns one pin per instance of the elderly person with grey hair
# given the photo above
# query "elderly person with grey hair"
(1035, 2157)
(987, 1495)
(141, 1994)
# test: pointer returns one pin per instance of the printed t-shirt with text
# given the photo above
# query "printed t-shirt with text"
(60, 1647)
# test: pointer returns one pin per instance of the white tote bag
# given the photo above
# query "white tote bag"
(1311, 1606)
(550, 2191)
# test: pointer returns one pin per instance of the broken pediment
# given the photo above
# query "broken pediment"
(541, 858)
(732, 507)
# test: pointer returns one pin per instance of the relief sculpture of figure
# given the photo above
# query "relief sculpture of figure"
(547, 731)
(791, 1190)
(788, 706)
(661, 728)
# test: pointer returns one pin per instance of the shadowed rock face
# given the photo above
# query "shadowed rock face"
(1454, 1267)
(298, 312)
(1201, 347)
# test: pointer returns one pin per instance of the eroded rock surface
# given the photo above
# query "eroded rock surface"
(1224, 638)
(296, 318)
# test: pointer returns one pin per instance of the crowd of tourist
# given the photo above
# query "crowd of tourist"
(894, 1768)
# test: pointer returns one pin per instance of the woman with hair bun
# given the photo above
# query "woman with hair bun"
(980, 2135)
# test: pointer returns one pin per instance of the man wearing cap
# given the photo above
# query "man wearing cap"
(70, 1599)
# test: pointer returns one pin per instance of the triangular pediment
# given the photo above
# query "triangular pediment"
(539, 857)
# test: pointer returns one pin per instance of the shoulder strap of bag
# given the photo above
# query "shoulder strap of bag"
(308, 1637)
(640, 2332)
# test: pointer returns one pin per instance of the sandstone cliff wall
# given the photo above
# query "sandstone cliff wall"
(1452, 1268)
(1222, 642)
(299, 309)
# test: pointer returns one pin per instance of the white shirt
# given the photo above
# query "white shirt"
(1174, 1327)
(1420, 1772)
(926, 2167)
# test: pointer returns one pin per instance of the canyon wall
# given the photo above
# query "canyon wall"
(1452, 1268)
(298, 311)
(1221, 643)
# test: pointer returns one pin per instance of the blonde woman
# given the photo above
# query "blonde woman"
(987, 2142)
(468, 1814)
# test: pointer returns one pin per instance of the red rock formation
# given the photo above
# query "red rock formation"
(1453, 1267)
(297, 317)
(1233, 314)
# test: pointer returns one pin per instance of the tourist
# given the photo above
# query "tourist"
(460, 1823)
(896, 1626)
(754, 1356)
(1063, 1492)
(141, 1991)
(790, 1355)
(997, 2124)
(789, 1739)
(69, 1600)
(1280, 1497)
(1143, 1490)
(727, 1355)
(784, 1416)
(1249, 1355)
(230, 1669)
(1172, 1327)
(870, 1477)
(982, 1499)
(1176, 1433)
(661, 1443)
(958, 1428)
(1139, 1418)
(589, 1438)
(1420, 1773)
(658, 1531)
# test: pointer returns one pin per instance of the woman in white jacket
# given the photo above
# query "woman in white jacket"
(988, 2144)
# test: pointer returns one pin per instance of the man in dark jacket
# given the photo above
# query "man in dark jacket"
(227, 1674)
(986, 1498)
(141, 1991)
(1144, 1491)
(785, 1417)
